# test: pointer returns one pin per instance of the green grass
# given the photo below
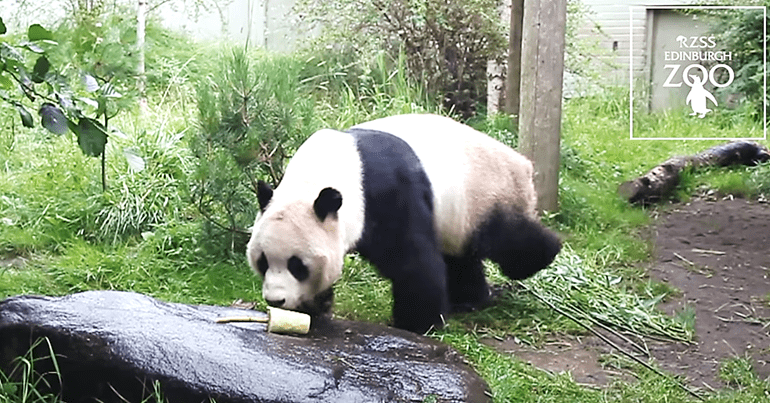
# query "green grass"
(142, 235)
(718, 124)
(512, 380)
(169, 265)
(25, 382)
(362, 294)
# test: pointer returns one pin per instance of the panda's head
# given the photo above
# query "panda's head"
(295, 245)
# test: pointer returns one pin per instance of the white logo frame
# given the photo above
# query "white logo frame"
(631, 11)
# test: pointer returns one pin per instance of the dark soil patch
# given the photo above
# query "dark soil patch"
(580, 356)
(12, 261)
(717, 255)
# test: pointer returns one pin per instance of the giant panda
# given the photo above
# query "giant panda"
(422, 197)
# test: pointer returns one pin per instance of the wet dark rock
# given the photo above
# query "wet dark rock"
(115, 346)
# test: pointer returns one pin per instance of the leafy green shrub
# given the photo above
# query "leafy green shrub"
(47, 202)
(741, 33)
(498, 127)
(64, 96)
(447, 44)
(253, 112)
(103, 45)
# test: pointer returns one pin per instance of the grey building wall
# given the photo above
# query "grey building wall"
(270, 24)
(665, 28)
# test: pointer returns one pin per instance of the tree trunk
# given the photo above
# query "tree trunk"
(513, 75)
(141, 18)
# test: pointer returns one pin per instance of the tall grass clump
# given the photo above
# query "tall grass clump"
(47, 188)
(152, 161)
(52, 190)
(147, 194)
(352, 91)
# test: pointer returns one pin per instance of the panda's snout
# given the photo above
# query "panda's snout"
(276, 302)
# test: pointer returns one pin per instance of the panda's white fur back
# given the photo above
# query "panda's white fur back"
(470, 174)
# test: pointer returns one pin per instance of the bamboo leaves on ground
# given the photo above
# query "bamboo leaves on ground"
(595, 297)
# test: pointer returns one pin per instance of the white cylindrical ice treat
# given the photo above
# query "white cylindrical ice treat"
(283, 321)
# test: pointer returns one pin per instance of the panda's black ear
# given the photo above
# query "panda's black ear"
(264, 194)
(329, 200)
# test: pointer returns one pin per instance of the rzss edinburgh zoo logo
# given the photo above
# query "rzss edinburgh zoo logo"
(697, 49)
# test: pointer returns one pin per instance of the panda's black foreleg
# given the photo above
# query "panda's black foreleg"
(409, 256)
(399, 235)
(417, 271)
(466, 283)
(419, 301)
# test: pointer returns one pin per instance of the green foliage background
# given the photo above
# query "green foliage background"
(742, 32)
(446, 45)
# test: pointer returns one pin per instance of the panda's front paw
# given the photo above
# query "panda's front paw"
(321, 304)
(420, 317)
(420, 327)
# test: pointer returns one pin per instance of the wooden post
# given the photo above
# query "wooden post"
(542, 71)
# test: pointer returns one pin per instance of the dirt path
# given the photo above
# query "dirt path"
(717, 254)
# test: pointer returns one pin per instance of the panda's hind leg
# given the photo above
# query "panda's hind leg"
(520, 245)
(466, 283)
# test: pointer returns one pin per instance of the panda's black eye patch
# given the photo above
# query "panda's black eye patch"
(262, 264)
(298, 269)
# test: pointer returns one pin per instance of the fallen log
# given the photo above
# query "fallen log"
(661, 180)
